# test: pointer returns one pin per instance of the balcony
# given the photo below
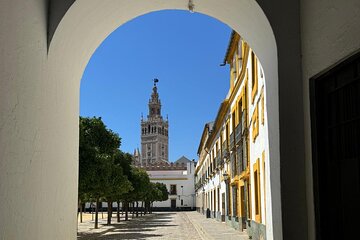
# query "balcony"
(232, 140)
(238, 133)
(225, 150)
(217, 159)
(234, 167)
(243, 123)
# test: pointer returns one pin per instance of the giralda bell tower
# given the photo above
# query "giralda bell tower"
(154, 132)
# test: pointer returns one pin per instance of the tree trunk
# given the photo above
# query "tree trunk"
(118, 211)
(141, 209)
(109, 212)
(133, 210)
(137, 209)
(126, 210)
(78, 208)
(147, 207)
(81, 211)
(96, 213)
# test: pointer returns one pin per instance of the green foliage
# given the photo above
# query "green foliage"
(140, 181)
(97, 147)
(156, 192)
(164, 192)
(107, 173)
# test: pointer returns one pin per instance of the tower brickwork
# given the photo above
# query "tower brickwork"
(154, 132)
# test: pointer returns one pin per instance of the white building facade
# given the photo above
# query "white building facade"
(179, 180)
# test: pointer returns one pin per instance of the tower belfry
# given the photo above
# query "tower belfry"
(154, 132)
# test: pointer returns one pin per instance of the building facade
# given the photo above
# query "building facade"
(154, 132)
(178, 177)
(231, 174)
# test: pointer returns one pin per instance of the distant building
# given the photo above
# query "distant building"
(178, 176)
(231, 177)
(154, 133)
(179, 180)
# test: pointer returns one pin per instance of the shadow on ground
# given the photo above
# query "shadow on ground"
(137, 228)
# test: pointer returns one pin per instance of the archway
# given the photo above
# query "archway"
(95, 21)
(84, 26)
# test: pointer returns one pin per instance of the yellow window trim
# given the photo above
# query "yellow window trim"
(255, 123)
(255, 77)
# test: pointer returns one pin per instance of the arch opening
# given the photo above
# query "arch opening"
(87, 23)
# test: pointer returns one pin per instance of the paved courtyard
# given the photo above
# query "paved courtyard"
(164, 225)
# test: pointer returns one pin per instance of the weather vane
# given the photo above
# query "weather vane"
(191, 6)
(155, 81)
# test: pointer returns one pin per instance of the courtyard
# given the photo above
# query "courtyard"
(159, 225)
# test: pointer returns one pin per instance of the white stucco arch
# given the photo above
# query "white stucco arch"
(40, 87)
(87, 23)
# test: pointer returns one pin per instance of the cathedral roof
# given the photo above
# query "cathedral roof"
(183, 159)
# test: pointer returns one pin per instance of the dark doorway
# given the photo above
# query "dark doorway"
(243, 207)
(223, 207)
(335, 123)
(173, 203)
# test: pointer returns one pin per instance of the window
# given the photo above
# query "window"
(234, 200)
(227, 134)
(234, 66)
(240, 108)
(254, 77)
(233, 121)
(257, 191)
(173, 189)
(255, 123)
(239, 52)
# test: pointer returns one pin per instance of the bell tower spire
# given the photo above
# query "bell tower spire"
(154, 103)
(154, 132)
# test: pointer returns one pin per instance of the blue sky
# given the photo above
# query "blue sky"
(183, 51)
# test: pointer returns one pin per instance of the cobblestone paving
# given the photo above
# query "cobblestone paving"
(164, 225)
(211, 229)
(167, 225)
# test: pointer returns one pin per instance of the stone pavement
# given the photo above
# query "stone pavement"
(211, 229)
(160, 225)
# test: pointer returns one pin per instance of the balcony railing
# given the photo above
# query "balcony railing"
(243, 122)
(232, 140)
(225, 150)
(234, 167)
(217, 158)
(238, 133)
(241, 152)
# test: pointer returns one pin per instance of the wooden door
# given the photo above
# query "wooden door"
(335, 117)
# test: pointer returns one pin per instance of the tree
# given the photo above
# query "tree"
(140, 181)
(97, 148)
(164, 192)
(116, 185)
(155, 192)
(124, 160)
